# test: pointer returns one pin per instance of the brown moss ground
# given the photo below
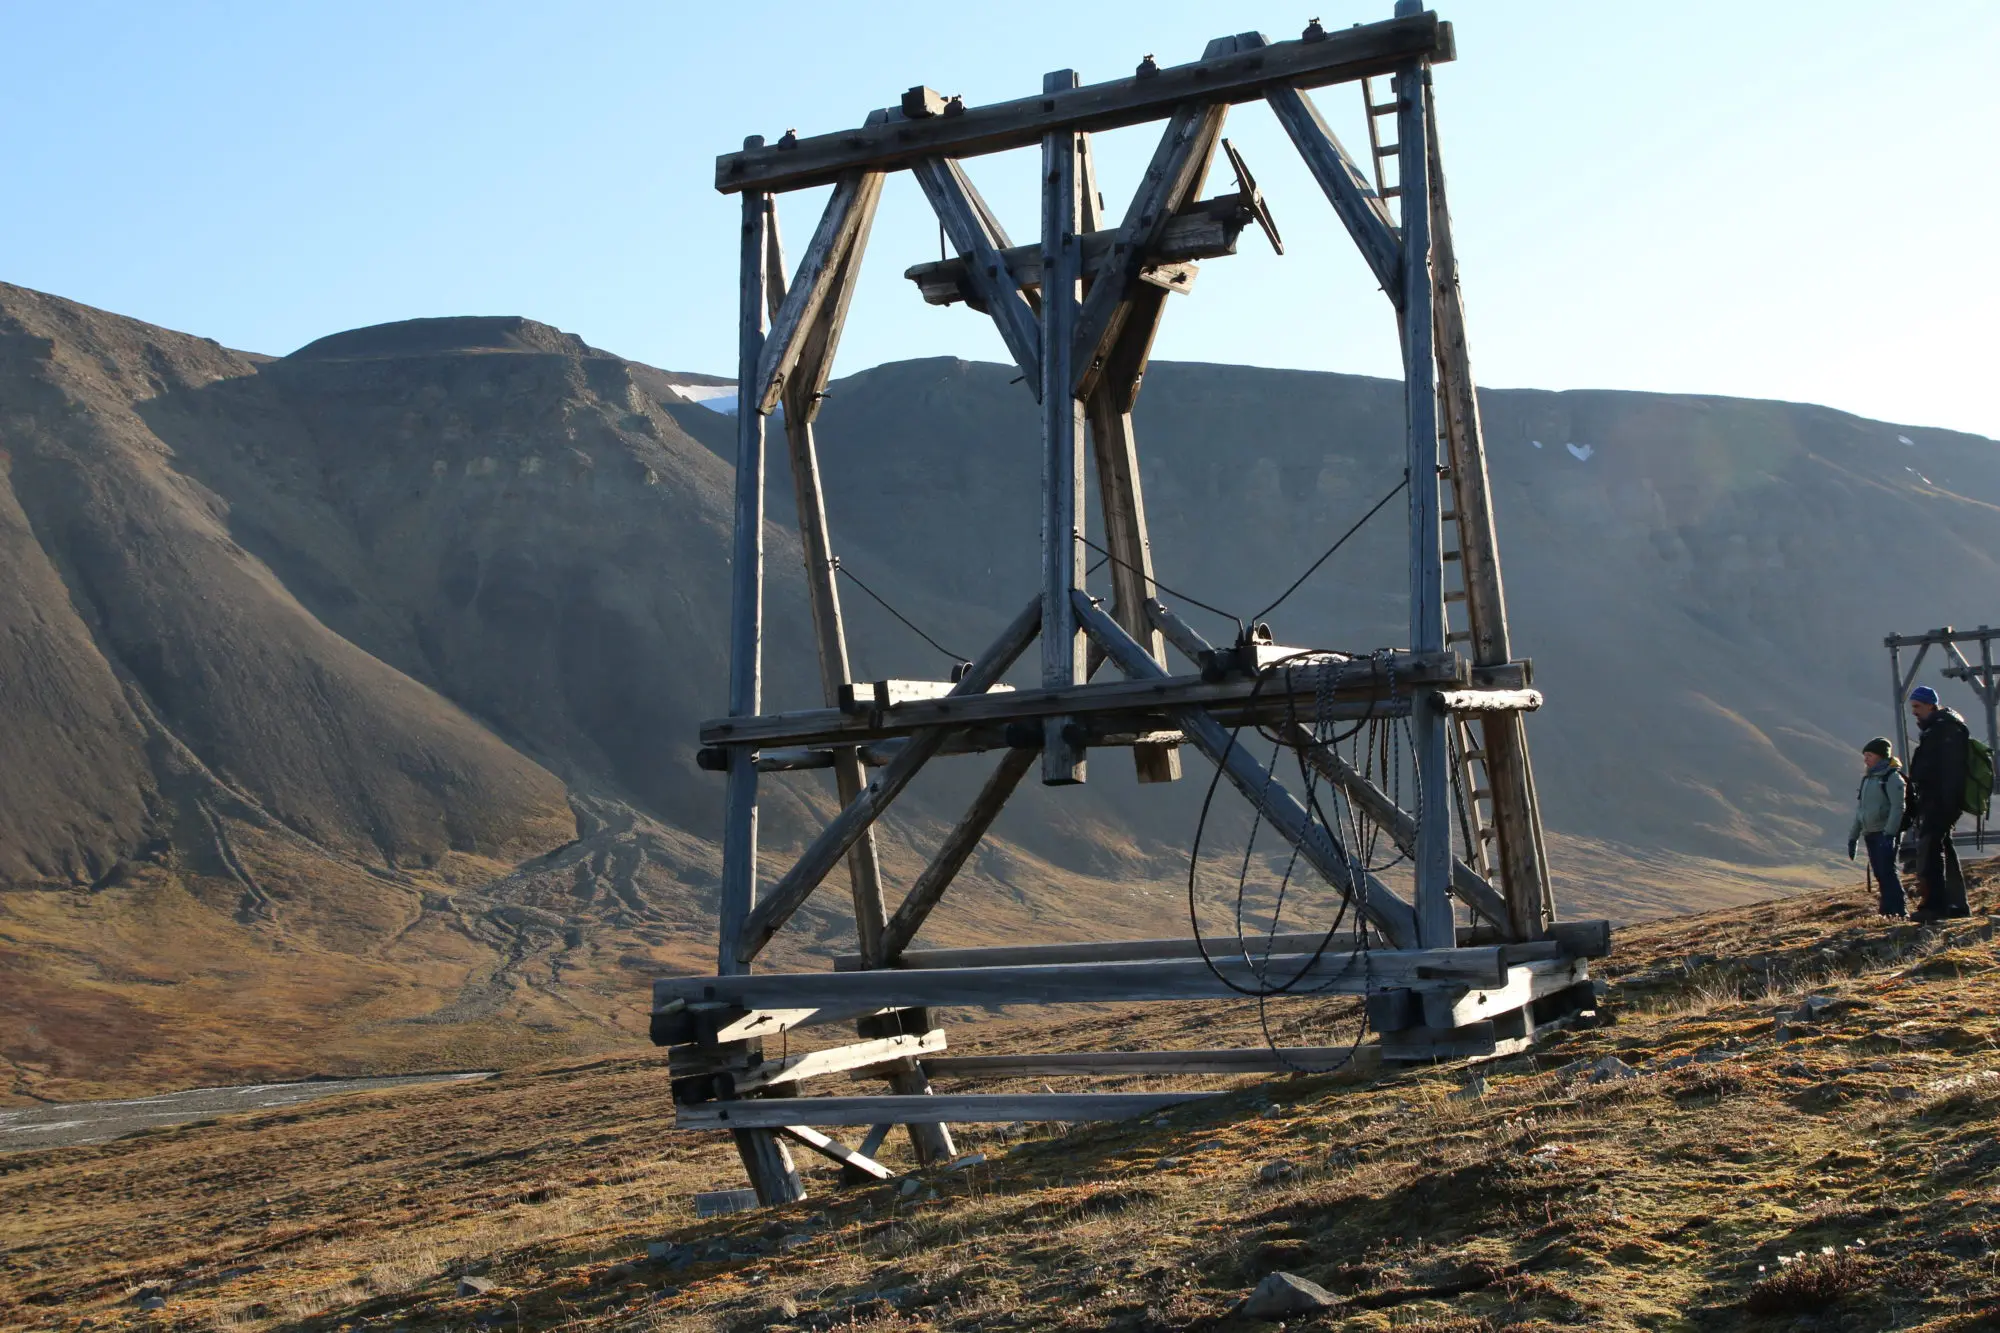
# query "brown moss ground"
(1662, 1201)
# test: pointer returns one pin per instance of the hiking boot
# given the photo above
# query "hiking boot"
(1927, 916)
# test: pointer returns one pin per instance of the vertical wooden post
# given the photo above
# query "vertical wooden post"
(1064, 651)
(1517, 820)
(1990, 690)
(1131, 571)
(1896, 701)
(765, 1157)
(1432, 862)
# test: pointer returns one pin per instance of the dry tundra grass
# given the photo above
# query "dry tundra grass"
(1773, 1164)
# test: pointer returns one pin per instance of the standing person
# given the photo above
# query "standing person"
(1878, 818)
(1936, 800)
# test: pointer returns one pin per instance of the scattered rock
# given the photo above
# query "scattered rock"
(1713, 1055)
(774, 1229)
(1474, 1089)
(1678, 1062)
(619, 1272)
(790, 1243)
(908, 1186)
(784, 1310)
(1278, 1172)
(153, 1303)
(475, 1286)
(1610, 1069)
(899, 1240)
(1902, 1093)
(1271, 1112)
(1207, 1145)
(967, 1162)
(1167, 1163)
(1280, 1296)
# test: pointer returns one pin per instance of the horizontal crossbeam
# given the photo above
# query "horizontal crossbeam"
(1334, 972)
(1125, 1064)
(1582, 939)
(1363, 679)
(1342, 55)
(1207, 230)
(933, 1110)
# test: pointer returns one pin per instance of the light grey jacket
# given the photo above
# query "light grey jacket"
(1878, 806)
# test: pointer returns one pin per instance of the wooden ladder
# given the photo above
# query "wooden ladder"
(1467, 751)
(1378, 151)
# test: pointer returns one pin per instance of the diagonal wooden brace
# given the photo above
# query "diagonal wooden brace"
(976, 235)
(844, 224)
(1394, 917)
(791, 892)
(959, 844)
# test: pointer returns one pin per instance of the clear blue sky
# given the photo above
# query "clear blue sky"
(1791, 200)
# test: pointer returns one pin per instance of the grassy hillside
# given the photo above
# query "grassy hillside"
(1797, 1130)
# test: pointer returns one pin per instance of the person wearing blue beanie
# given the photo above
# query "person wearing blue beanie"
(1936, 779)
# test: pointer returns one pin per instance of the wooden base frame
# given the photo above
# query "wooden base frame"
(1078, 309)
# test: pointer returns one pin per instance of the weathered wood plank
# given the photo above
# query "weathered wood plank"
(769, 1165)
(837, 1151)
(1345, 54)
(1487, 701)
(738, 893)
(957, 1108)
(1334, 972)
(952, 854)
(846, 219)
(837, 1060)
(977, 237)
(1525, 983)
(1364, 213)
(1107, 951)
(1063, 647)
(798, 883)
(1126, 1064)
(1281, 809)
(1358, 681)
(1205, 230)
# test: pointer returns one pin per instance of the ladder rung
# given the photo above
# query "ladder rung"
(1454, 597)
(1480, 755)
(1389, 150)
(1459, 636)
(1452, 517)
(1482, 793)
(1451, 555)
(1384, 108)
(1488, 834)
(1390, 192)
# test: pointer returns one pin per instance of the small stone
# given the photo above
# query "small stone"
(1611, 1069)
(1166, 1163)
(475, 1286)
(1271, 1112)
(1280, 1296)
(908, 1186)
(153, 1303)
(619, 1272)
(1273, 1173)
(1678, 1062)
(1474, 1089)
(660, 1249)
(790, 1243)
(967, 1162)
(1207, 1145)
(773, 1229)
(783, 1310)
(1902, 1093)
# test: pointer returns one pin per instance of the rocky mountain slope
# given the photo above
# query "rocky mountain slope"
(350, 695)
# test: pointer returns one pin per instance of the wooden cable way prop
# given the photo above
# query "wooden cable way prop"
(1078, 307)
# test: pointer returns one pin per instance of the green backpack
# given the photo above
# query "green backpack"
(1978, 777)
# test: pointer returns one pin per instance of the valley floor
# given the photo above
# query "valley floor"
(1798, 1131)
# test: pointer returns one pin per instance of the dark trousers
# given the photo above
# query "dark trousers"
(1939, 879)
(1882, 861)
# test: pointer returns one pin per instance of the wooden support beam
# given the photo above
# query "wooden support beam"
(1343, 55)
(958, 846)
(1173, 178)
(1487, 701)
(835, 1150)
(1063, 647)
(1364, 213)
(1525, 983)
(1467, 883)
(1377, 902)
(959, 1109)
(1334, 972)
(1431, 863)
(1127, 1064)
(791, 892)
(1108, 951)
(977, 236)
(843, 226)
(1359, 681)
(1205, 230)
(1522, 855)
(860, 1055)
